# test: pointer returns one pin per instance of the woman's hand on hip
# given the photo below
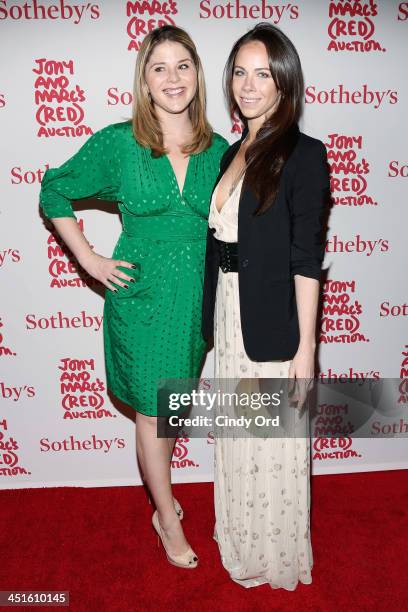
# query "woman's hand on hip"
(106, 270)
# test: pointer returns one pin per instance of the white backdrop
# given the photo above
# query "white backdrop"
(354, 60)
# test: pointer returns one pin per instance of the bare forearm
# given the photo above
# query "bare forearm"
(307, 298)
(72, 235)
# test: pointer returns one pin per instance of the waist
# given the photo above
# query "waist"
(228, 252)
(165, 227)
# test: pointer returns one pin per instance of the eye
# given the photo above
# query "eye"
(238, 72)
(159, 68)
(184, 66)
(264, 75)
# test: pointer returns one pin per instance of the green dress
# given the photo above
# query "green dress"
(152, 330)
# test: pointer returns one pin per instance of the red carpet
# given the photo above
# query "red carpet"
(99, 545)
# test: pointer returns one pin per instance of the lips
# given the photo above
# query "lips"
(173, 91)
(249, 100)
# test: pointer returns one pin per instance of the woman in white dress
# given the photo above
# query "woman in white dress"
(264, 252)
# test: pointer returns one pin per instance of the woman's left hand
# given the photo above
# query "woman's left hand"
(301, 370)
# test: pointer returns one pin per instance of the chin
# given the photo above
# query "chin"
(176, 110)
(253, 114)
(248, 114)
(177, 106)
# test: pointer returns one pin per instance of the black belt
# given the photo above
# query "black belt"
(228, 252)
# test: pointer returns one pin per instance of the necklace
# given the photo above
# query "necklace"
(235, 183)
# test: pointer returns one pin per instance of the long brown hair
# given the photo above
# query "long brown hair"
(276, 138)
(146, 127)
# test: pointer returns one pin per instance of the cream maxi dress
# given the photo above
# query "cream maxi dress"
(261, 485)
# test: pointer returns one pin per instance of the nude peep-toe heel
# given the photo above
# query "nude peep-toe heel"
(187, 560)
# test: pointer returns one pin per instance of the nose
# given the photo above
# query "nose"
(248, 83)
(174, 75)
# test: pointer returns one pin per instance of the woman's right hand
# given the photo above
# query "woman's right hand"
(106, 270)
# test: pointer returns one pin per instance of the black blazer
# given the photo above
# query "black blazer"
(286, 240)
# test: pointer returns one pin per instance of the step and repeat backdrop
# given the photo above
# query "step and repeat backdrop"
(67, 71)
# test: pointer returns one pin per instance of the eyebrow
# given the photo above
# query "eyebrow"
(236, 66)
(187, 59)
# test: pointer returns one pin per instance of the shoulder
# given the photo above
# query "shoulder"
(116, 131)
(219, 140)
(115, 141)
(228, 151)
(308, 155)
(307, 166)
(215, 151)
(219, 144)
(123, 129)
(309, 145)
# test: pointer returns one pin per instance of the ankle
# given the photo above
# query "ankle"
(168, 520)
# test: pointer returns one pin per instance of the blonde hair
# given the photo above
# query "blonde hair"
(146, 127)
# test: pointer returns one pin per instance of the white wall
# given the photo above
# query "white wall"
(358, 93)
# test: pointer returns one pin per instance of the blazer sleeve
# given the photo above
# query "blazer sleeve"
(310, 196)
(91, 172)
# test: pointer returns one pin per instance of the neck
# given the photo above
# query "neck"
(253, 127)
(176, 127)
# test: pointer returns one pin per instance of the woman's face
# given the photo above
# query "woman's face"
(253, 87)
(171, 77)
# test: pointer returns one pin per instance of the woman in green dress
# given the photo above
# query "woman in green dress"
(160, 168)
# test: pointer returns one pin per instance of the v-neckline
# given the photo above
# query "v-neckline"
(229, 196)
(170, 165)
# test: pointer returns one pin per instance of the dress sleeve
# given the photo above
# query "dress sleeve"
(310, 197)
(90, 173)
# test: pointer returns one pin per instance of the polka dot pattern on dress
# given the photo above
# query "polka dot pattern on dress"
(152, 330)
(261, 485)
